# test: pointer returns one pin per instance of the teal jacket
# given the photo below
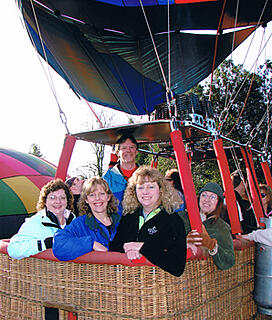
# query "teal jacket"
(220, 230)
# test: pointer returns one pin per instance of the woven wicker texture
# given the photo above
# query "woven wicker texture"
(122, 292)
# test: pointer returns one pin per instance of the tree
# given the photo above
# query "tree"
(35, 150)
(96, 165)
(240, 100)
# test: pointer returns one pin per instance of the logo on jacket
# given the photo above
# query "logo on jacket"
(152, 230)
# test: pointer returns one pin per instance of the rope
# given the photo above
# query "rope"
(227, 108)
(49, 78)
(249, 89)
(215, 47)
(232, 48)
(98, 120)
(255, 130)
(167, 85)
(239, 170)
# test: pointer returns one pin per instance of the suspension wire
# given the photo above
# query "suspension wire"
(269, 124)
(96, 116)
(227, 108)
(168, 90)
(255, 130)
(49, 74)
(249, 89)
(232, 48)
(239, 170)
(169, 46)
(216, 44)
(243, 83)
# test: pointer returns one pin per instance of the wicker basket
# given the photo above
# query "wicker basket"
(104, 291)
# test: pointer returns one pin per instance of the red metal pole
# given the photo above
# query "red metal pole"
(253, 183)
(228, 186)
(72, 316)
(69, 143)
(186, 180)
(267, 173)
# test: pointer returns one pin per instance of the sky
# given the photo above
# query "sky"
(29, 112)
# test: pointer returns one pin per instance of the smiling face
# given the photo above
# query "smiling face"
(148, 195)
(127, 152)
(98, 200)
(56, 202)
(208, 202)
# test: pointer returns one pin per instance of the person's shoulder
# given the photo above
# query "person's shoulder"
(37, 216)
(219, 224)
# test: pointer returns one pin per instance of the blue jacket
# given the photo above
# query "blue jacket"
(78, 238)
(116, 182)
(35, 234)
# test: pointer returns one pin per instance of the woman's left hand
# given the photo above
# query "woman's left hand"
(133, 255)
(99, 247)
(133, 246)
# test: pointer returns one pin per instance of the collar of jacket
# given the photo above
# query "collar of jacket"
(54, 220)
(150, 216)
(93, 223)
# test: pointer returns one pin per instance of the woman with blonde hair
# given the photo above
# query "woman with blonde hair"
(150, 227)
(95, 226)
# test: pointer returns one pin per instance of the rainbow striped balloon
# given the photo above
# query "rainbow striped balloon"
(21, 178)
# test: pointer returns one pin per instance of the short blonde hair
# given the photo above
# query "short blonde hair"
(89, 186)
(169, 198)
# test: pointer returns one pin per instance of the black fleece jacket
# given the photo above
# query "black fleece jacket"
(164, 239)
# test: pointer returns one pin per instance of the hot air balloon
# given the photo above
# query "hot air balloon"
(21, 178)
(116, 53)
(134, 55)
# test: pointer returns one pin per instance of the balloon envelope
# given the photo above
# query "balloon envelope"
(21, 178)
(104, 51)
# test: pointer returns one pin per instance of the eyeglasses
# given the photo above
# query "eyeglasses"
(212, 197)
(263, 195)
(55, 198)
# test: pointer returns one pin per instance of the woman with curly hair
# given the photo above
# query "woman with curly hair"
(95, 226)
(150, 227)
(54, 213)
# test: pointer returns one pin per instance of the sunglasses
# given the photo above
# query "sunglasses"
(263, 195)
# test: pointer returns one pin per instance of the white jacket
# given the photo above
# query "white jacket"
(263, 236)
(31, 236)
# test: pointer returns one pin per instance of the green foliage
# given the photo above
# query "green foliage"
(35, 150)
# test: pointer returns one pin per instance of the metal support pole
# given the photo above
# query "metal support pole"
(253, 183)
(67, 150)
(267, 173)
(186, 180)
(228, 186)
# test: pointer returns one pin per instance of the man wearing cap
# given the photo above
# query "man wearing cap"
(117, 176)
(216, 233)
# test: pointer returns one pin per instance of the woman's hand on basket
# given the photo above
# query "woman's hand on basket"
(132, 249)
(99, 247)
(133, 246)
